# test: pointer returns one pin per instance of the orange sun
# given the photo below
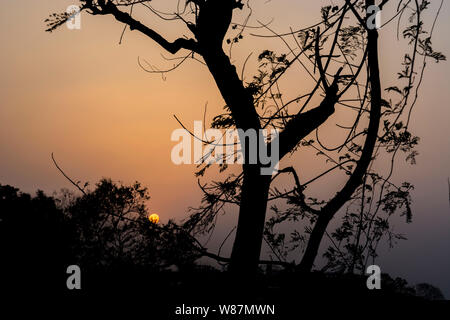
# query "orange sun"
(154, 218)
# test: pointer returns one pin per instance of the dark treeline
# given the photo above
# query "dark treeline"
(103, 231)
(106, 232)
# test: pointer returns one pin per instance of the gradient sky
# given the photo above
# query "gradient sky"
(83, 96)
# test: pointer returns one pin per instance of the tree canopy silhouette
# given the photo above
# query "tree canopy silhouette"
(103, 230)
(340, 54)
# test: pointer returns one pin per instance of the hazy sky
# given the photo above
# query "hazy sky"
(83, 96)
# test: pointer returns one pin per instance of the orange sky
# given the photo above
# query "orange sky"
(82, 96)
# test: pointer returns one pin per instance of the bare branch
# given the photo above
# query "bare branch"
(108, 7)
(67, 177)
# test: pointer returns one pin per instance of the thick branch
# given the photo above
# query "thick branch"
(372, 132)
(232, 89)
(105, 8)
(304, 123)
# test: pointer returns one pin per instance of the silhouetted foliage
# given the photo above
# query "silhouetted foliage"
(340, 54)
(113, 229)
(104, 229)
(107, 233)
(104, 234)
(429, 292)
(34, 237)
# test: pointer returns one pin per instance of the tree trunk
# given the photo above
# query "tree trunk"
(255, 187)
(313, 244)
(252, 215)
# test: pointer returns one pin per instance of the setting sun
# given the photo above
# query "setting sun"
(154, 218)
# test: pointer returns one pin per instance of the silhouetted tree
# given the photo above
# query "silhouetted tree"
(429, 292)
(33, 239)
(105, 230)
(111, 229)
(340, 54)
